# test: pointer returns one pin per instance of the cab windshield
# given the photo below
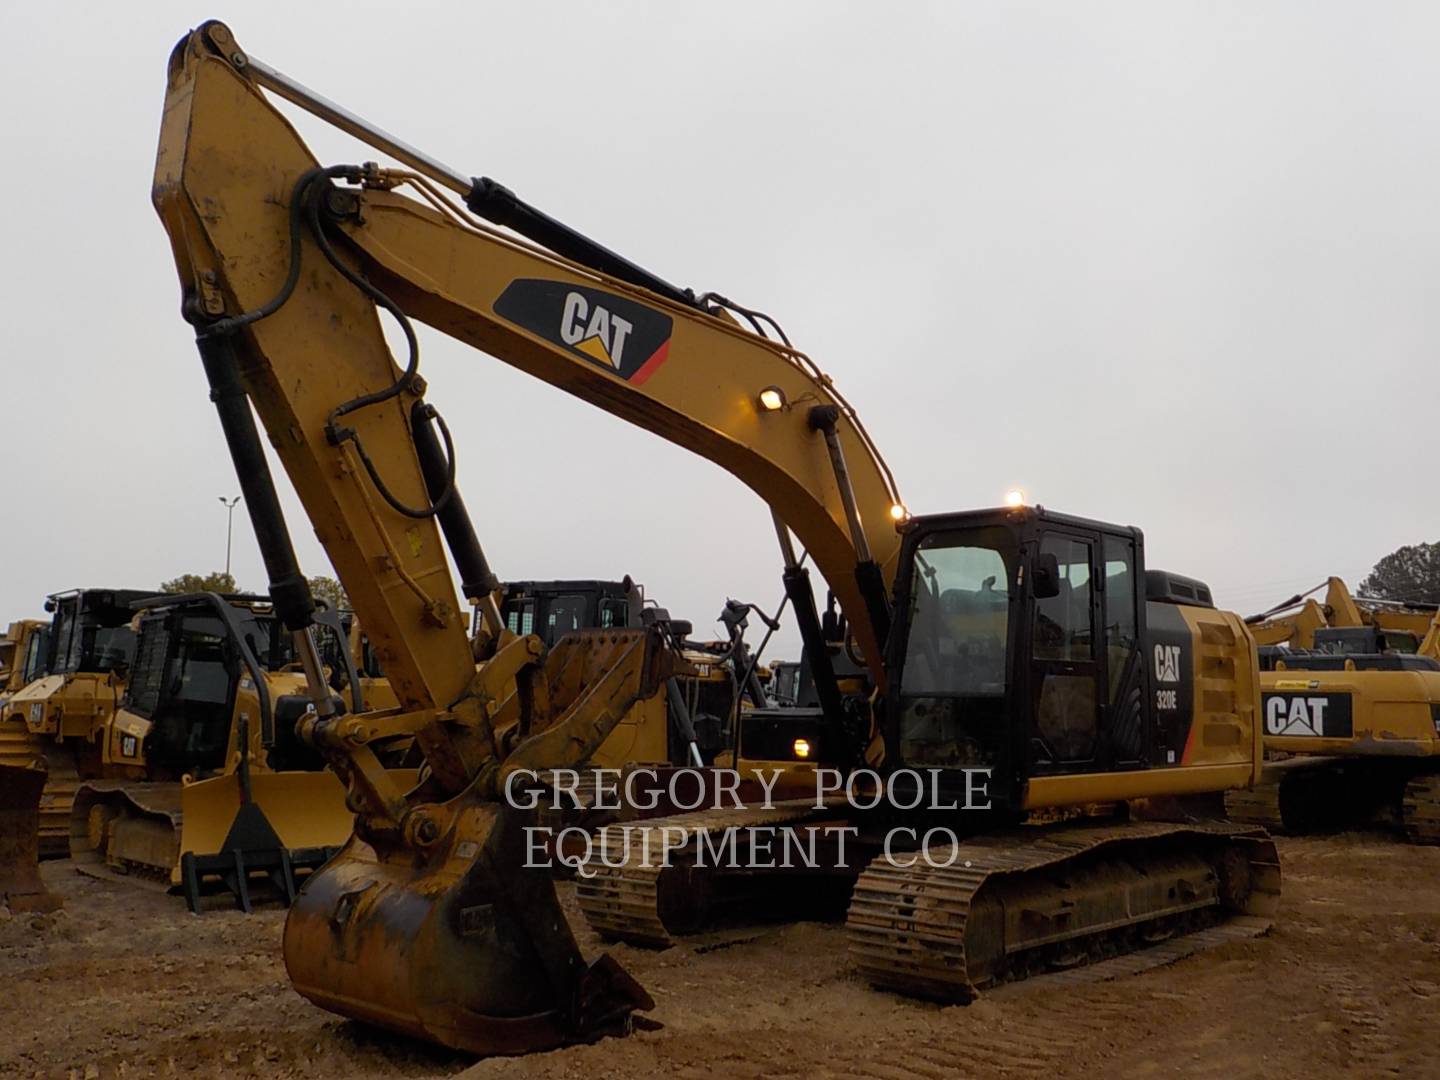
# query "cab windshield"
(955, 674)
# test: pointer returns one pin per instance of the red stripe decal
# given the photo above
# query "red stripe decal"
(645, 370)
(1190, 740)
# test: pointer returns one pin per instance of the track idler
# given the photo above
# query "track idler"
(460, 945)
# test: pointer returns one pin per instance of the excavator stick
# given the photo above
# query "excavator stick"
(20, 886)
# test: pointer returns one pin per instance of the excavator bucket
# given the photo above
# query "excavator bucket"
(466, 946)
(455, 935)
(20, 886)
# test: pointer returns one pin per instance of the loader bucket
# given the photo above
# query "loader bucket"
(20, 886)
(463, 946)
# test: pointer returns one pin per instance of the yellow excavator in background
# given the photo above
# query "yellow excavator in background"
(1366, 624)
(1350, 694)
(22, 776)
(1020, 641)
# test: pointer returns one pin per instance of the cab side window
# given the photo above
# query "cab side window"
(1066, 719)
(1121, 633)
(1062, 622)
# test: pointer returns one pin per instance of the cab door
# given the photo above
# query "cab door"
(1125, 727)
(1065, 661)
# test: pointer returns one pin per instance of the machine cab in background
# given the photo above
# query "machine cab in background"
(198, 654)
(1017, 647)
(552, 609)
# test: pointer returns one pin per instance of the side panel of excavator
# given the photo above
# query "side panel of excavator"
(1354, 741)
(1394, 713)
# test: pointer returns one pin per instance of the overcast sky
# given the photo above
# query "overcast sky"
(1165, 264)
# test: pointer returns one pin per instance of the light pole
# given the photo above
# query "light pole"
(229, 505)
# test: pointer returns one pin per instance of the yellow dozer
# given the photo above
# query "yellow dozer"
(224, 788)
(67, 680)
(22, 661)
(22, 781)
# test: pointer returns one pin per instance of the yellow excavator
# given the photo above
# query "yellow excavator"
(1364, 624)
(1021, 641)
(1350, 695)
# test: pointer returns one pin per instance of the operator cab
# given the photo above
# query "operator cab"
(89, 631)
(552, 609)
(34, 664)
(1019, 646)
(193, 655)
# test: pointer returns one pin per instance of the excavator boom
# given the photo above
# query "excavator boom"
(679, 369)
(283, 265)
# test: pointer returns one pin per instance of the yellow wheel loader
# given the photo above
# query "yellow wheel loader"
(74, 672)
(1028, 646)
(222, 788)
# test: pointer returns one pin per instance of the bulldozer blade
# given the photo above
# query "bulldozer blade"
(20, 886)
(306, 810)
(464, 946)
(292, 821)
(180, 835)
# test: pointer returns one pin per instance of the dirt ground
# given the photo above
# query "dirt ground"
(123, 983)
